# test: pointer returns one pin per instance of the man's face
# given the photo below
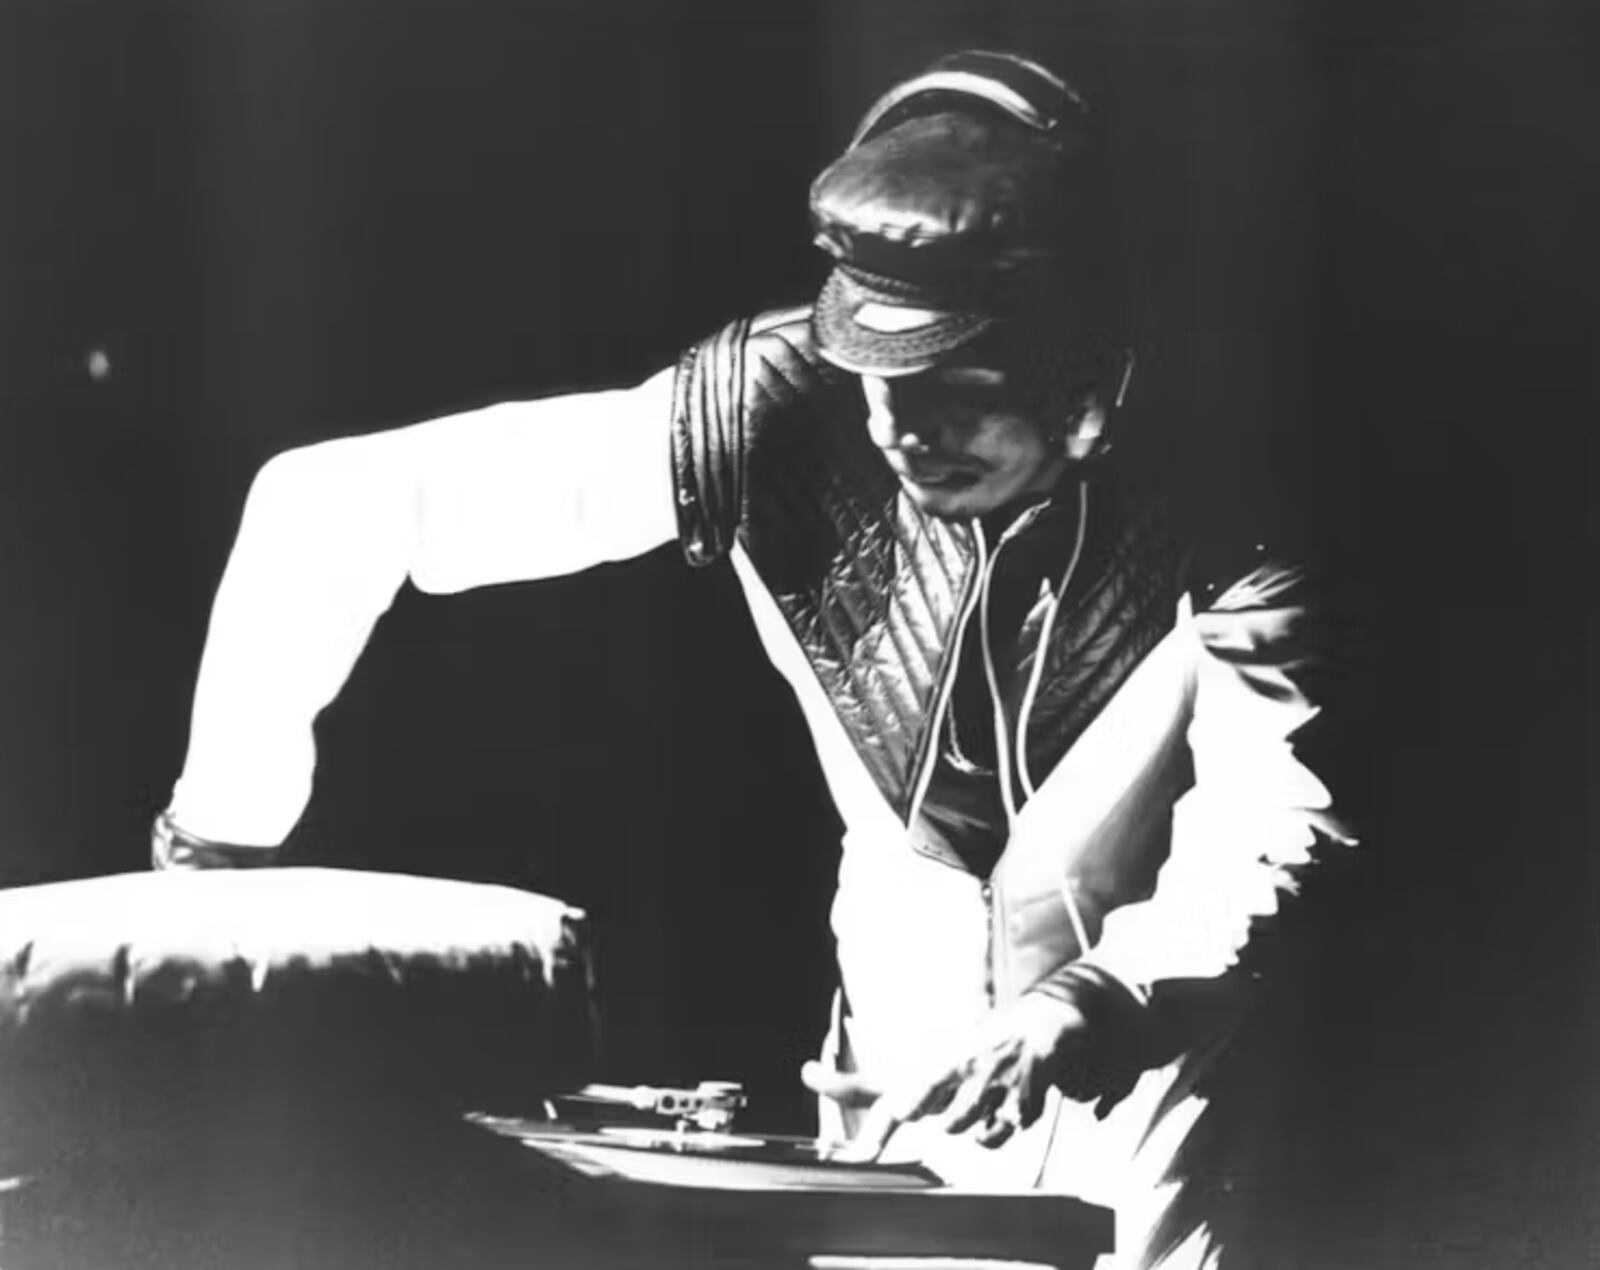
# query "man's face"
(957, 439)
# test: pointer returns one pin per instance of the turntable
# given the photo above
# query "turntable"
(668, 1169)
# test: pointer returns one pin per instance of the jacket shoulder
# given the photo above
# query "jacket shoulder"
(731, 389)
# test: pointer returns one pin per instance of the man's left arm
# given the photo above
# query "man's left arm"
(1271, 709)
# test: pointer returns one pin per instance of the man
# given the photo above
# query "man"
(1062, 739)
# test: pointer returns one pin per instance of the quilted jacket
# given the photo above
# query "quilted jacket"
(864, 602)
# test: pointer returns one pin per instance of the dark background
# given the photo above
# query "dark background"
(1354, 232)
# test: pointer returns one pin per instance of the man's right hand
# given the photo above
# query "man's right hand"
(989, 1088)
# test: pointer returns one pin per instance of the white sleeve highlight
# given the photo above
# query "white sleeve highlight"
(509, 493)
(1245, 828)
(542, 488)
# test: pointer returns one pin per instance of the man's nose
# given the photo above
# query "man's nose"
(893, 420)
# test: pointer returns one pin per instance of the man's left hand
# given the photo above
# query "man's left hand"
(991, 1088)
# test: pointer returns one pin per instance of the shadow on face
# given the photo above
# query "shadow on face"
(961, 438)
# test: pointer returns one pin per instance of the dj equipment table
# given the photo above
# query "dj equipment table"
(468, 1196)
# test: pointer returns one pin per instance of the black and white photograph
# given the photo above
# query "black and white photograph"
(811, 635)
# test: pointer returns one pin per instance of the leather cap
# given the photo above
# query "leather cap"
(956, 208)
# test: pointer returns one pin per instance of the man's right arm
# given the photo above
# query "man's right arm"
(505, 494)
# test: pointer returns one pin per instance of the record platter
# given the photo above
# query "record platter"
(696, 1190)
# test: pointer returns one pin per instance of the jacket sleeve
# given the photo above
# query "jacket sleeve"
(1270, 676)
(331, 531)
(728, 392)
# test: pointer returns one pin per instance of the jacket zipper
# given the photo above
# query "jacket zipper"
(976, 589)
(990, 961)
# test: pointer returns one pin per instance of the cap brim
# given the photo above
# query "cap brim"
(881, 332)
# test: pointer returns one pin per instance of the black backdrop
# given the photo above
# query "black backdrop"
(235, 226)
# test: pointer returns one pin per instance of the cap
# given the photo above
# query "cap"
(946, 212)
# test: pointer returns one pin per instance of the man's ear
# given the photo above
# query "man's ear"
(1086, 432)
(1085, 436)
